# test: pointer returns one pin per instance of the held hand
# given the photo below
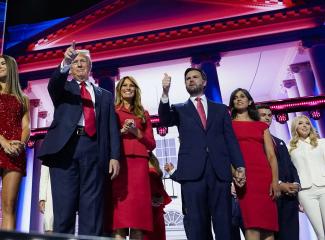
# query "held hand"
(166, 84)
(275, 190)
(168, 167)
(114, 168)
(41, 205)
(240, 177)
(294, 188)
(288, 188)
(70, 54)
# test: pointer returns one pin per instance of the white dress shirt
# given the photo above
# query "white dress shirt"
(204, 102)
(90, 89)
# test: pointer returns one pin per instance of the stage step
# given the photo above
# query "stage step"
(9, 235)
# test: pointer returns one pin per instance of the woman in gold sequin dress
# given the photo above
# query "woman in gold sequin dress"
(14, 133)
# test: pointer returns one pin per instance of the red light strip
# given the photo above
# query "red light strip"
(296, 104)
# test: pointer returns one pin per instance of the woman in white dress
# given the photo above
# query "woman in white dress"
(307, 152)
(45, 199)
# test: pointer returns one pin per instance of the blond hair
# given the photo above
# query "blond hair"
(12, 82)
(136, 105)
(313, 135)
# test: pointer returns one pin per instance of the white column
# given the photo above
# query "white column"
(291, 88)
(304, 78)
(42, 119)
(34, 108)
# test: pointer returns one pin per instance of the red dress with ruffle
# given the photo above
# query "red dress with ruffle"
(11, 114)
(157, 190)
(257, 207)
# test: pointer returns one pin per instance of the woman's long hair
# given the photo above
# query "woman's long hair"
(12, 81)
(155, 163)
(252, 110)
(136, 105)
(313, 135)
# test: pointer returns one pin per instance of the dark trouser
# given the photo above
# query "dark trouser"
(288, 212)
(204, 200)
(237, 221)
(77, 179)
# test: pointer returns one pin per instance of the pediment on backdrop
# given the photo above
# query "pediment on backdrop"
(114, 19)
(118, 28)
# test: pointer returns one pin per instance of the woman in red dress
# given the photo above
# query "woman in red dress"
(257, 198)
(131, 189)
(14, 133)
(160, 199)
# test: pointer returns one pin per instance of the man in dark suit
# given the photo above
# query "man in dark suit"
(289, 183)
(82, 144)
(208, 149)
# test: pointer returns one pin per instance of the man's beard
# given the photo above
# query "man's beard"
(195, 91)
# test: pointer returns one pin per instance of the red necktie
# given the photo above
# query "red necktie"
(88, 110)
(200, 110)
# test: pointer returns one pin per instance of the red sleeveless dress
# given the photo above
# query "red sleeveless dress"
(11, 114)
(257, 207)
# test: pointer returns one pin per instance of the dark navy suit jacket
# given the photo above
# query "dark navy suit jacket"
(66, 99)
(218, 140)
(287, 171)
(288, 206)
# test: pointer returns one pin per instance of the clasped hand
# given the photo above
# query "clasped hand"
(13, 147)
(239, 177)
(290, 189)
(128, 126)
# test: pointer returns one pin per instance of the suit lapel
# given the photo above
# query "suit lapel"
(98, 101)
(75, 88)
(191, 109)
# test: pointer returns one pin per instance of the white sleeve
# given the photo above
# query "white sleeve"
(44, 178)
(171, 172)
(63, 67)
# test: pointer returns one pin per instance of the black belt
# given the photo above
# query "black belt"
(80, 131)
